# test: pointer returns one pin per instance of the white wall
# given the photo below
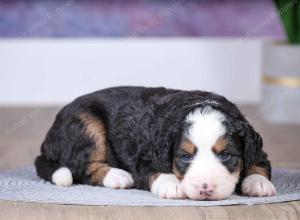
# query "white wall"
(55, 71)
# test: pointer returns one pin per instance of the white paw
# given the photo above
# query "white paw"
(118, 179)
(258, 185)
(167, 186)
(62, 177)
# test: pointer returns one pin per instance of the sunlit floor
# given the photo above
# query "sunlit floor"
(23, 129)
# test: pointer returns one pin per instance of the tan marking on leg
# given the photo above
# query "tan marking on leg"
(152, 178)
(240, 167)
(257, 170)
(96, 130)
(220, 145)
(98, 171)
(188, 146)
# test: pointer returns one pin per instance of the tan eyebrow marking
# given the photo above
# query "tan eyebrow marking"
(188, 146)
(220, 145)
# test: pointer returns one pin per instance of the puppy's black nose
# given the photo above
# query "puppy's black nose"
(204, 185)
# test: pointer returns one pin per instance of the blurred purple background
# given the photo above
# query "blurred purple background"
(126, 18)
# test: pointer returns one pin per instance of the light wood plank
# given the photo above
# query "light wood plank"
(32, 211)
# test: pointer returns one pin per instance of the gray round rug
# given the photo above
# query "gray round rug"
(24, 185)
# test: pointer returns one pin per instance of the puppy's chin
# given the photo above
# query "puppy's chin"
(220, 185)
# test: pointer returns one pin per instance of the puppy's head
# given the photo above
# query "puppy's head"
(212, 154)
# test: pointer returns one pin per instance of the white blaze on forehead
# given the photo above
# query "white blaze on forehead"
(206, 128)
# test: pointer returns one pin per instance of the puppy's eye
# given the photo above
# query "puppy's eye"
(186, 158)
(224, 156)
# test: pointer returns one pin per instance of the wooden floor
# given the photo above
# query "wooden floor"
(23, 129)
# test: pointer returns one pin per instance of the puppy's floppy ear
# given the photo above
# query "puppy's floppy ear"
(252, 143)
(165, 145)
(162, 154)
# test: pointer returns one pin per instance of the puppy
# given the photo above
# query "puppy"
(176, 144)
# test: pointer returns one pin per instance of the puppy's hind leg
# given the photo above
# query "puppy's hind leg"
(54, 172)
(98, 169)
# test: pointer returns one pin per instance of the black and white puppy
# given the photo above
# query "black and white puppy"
(176, 144)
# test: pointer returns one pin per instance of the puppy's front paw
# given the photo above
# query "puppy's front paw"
(258, 185)
(118, 179)
(167, 186)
